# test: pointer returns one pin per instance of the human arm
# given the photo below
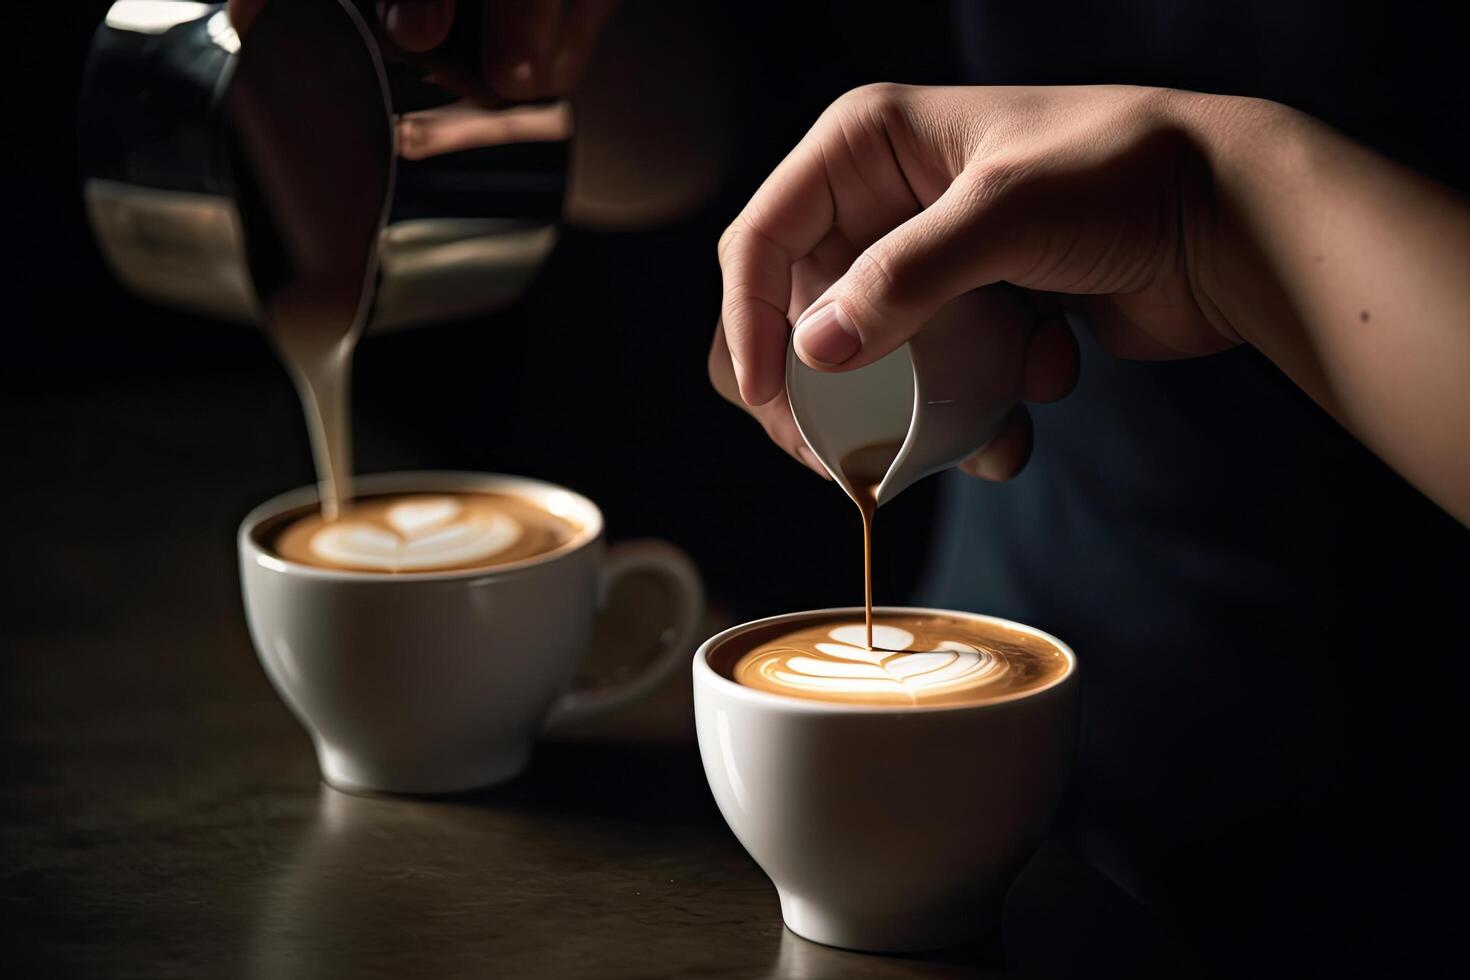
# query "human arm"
(1182, 224)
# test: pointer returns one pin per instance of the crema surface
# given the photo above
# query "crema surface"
(915, 660)
(420, 532)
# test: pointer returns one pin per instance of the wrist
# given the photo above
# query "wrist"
(1238, 150)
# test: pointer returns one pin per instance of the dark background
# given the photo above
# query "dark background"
(596, 378)
(125, 416)
(136, 431)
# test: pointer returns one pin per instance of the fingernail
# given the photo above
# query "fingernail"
(828, 336)
(810, 458)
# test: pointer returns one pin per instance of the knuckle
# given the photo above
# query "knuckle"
(727, 240)
(878, 95)
(988, 179)
(887, 281)
(882, 100)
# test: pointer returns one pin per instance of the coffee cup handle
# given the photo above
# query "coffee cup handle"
(676, 642)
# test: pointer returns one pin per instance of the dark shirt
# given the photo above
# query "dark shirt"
(1271, 624)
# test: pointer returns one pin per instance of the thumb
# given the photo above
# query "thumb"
(896, 285)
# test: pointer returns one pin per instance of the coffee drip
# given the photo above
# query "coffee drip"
(922, 408)
(864, 469)
(910, 659)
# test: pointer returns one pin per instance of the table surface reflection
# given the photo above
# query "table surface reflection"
(154, 831)
(163, 818)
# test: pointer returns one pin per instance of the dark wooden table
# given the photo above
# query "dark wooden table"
(162, 815)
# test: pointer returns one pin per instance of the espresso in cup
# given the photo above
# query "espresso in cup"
(920, 660)
(420, 532)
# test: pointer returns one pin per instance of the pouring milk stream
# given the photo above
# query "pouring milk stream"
(924, 407)
(313, 166)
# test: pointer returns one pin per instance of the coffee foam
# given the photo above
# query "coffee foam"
(422, 532)
(914, 660)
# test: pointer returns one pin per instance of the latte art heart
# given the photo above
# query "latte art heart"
(412, 518)
(914, 660)
(849, 668)
(422, 533)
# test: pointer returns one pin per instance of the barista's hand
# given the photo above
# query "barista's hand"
(900, 198)
(532, 49)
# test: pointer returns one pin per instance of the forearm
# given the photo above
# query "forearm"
(1349, 272)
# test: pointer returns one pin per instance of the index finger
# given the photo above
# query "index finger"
(788, 216)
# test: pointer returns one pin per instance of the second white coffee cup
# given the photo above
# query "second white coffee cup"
(439, 682)
(884, 828)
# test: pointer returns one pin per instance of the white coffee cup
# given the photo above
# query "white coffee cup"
(438, 682)
(885, 829)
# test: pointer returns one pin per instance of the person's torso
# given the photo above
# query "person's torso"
(1267, 617)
